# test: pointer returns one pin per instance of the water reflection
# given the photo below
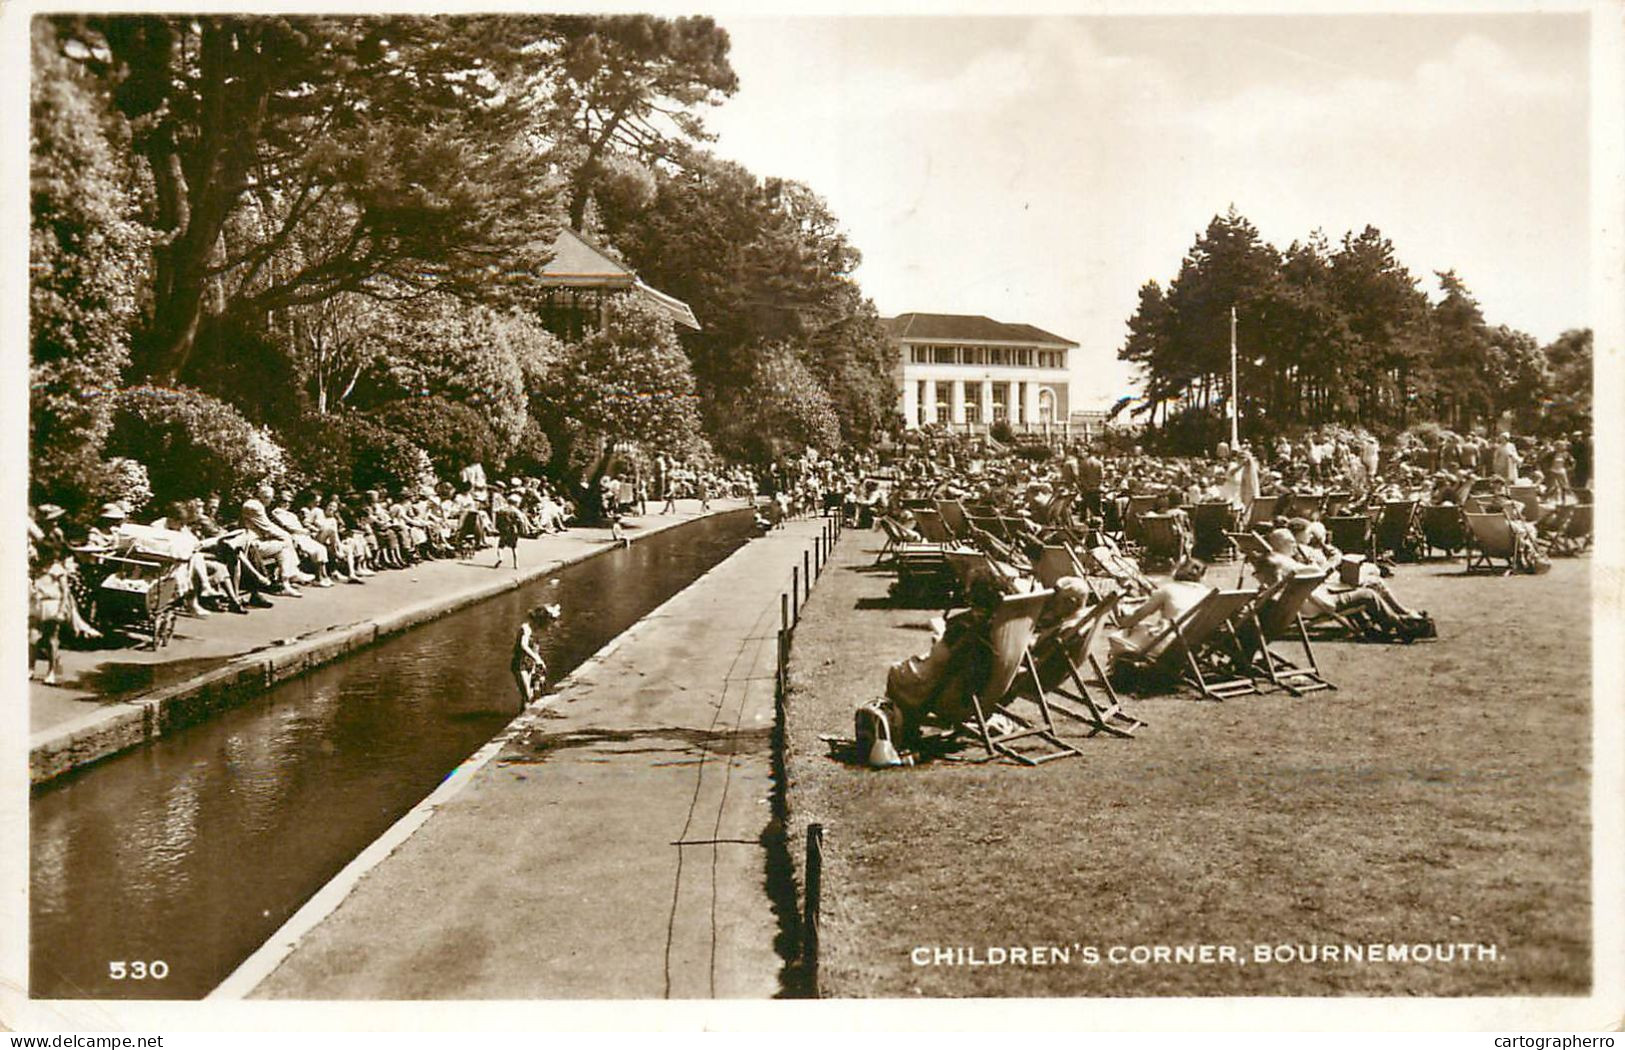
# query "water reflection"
(194, 849)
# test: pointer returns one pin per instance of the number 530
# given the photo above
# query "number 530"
(138, 970)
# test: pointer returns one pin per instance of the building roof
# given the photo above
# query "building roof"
(969, 328)
(579, 263)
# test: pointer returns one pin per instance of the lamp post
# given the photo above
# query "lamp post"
(1235, 407)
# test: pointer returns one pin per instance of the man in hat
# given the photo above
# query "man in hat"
(271, 544)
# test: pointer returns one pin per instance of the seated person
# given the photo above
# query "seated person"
(270, 544)
(312, 551)
(937, 685)
(1372, 601)
(1141, 632)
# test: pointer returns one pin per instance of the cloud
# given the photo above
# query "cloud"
(1476, 77)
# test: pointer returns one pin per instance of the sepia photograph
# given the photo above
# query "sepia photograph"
(660, 506)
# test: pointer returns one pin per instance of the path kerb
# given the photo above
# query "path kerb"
(110, 728)
(612, 842)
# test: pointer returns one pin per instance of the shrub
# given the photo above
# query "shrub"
(87, 265)
(193, 444)
(348, 452)
(125, 480)
(1034, 453)
(999, 431)
(453, 435)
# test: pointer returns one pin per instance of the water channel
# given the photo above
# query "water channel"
(191, 851)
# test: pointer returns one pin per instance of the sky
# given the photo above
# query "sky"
(1040, 170)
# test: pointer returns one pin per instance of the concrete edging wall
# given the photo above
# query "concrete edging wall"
(116, 728)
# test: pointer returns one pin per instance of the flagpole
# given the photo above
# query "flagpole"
(1235, 407)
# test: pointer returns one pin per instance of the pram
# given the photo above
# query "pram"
(137, 586)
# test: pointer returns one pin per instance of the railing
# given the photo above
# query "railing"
(802, 577)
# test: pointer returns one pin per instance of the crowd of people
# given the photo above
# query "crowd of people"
(278, 542)
(1080, 498)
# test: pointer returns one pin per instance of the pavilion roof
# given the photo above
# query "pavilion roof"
(969, 328)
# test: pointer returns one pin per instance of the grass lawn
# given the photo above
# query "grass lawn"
(1440, 795)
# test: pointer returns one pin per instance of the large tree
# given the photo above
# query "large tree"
(628, 87)
(763, 262)
(403, 139)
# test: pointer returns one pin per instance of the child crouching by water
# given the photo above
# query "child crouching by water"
(529, 669)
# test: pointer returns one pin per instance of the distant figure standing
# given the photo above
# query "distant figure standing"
(609, 501)
(703, 482)
(509, 524)
(529, 669)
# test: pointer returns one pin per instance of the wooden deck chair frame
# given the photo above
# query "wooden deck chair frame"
(1576, 531)
(953, 516)
(1350, 533)
(1161, 539)
(1491, 537)
(1304, 505)
(1261, 512)
(991, 524)
(1248, 546)
(1278, 617)
(1067, 650)
(1188, 645)
(1395, 527)
(930, 526)
(1117, 567)
(1443, 529)
(1009, 638)
(1212, 523)
(1136, 507)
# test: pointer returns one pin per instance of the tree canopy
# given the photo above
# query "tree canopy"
(1335, 334)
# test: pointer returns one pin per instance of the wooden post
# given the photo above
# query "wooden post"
(806, 573)
(810, 906)
(795, 595)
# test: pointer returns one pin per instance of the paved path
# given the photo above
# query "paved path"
(106, 687)
(610, 847)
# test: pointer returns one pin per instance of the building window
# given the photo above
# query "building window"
(973, 411)
(942, 355)
(1001, 408)
(1046, 405)
(1052, 359)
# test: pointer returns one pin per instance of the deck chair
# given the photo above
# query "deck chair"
(1138, 507)
(930, 526)
(1443, 529)
(895, 538)
(1528, 496)
(991, 524)
(1202, 647)
(1492, 538)
(1337, 503)
(1248, 545)
(1261, 512)
(1304, 505)
(1210, 522)
(1056, 562)
(953, 516)
(1009, 635)
(919, 503)
(1396, 529)
(1161, 542)
(1277, 618)
(1117, 567)
(1350, 534)
(1060, 657)
(1058, 513)
(1572, 534)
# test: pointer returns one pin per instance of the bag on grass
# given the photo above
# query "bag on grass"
(873, 725)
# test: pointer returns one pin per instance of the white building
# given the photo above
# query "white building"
(968, 372)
